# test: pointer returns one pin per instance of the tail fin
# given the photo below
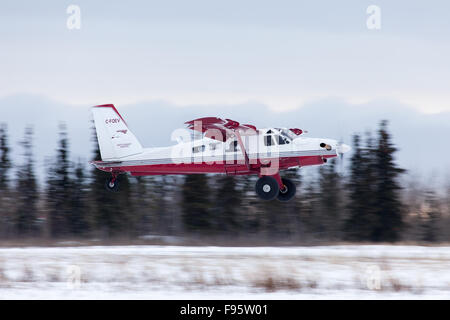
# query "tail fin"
(114, 138)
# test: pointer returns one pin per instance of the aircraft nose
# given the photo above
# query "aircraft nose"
(343, 148)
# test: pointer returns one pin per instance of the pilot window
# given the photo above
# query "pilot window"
(268, 141)
(282, 140)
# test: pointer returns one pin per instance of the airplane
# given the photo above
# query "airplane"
(223, 146)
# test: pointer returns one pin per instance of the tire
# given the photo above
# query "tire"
(289, 192)
(112, 186)
(267, 188)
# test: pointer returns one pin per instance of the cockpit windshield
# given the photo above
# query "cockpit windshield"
(282, 139)
(286, 133)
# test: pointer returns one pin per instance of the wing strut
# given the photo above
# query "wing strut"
(241, 144)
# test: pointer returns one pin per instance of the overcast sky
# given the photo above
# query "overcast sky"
(280, 53)
(313, 59)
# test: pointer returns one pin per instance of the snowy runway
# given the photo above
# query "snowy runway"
(177, 272)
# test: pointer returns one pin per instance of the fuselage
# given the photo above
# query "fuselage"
(271, 149)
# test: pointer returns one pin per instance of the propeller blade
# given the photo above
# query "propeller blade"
(343, 148)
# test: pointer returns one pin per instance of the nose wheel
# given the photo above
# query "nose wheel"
(112, 184)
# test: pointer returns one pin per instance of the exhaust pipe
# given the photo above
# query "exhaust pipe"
(326, 146)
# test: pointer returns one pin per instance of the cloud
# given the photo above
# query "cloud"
(283, 55)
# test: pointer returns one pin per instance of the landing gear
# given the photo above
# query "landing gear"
(112, 184)
(268, 188)
(287, 192)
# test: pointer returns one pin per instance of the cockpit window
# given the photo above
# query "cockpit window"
(288, 134)
(282, 140)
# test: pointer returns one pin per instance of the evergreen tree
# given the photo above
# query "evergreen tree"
(197, 215)
(125, 221)
(292, 220)
(154, 203)
(362, 216)
(430, 218)
(27, 191)
(330, 199)
(310, 214)
(104, 203)
(389, 207)
(227, 205)
(112, 211)
(142, 199)
(287, 214)
(60, 188)
(447, 212)
(271, 219)
(5, 162)
(78, 223)
(251, 214)
(6, 223)
(162, 192)
(281, 220)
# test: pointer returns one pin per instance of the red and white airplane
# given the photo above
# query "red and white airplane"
(225, 146)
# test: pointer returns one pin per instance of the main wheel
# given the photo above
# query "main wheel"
(267, 188)
(112, 184)
(288, 192)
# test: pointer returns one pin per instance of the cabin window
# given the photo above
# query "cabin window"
(233, 147)
(213, 146)
(198, 149)
(268, 141)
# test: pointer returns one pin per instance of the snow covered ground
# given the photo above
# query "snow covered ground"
(177, 272)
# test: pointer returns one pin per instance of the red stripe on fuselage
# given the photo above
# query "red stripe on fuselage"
(231, 168)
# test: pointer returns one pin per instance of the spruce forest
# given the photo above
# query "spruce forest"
(367, 198)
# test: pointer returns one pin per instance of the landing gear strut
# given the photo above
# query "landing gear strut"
(288, 192)
(268, 188)
(112, 184)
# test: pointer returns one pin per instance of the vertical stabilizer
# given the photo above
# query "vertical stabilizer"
(116, 141)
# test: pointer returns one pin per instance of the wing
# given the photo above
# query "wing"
(220, 129)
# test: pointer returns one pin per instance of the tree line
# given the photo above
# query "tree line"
(366, 202)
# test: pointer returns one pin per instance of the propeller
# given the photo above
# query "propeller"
(341, 149)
